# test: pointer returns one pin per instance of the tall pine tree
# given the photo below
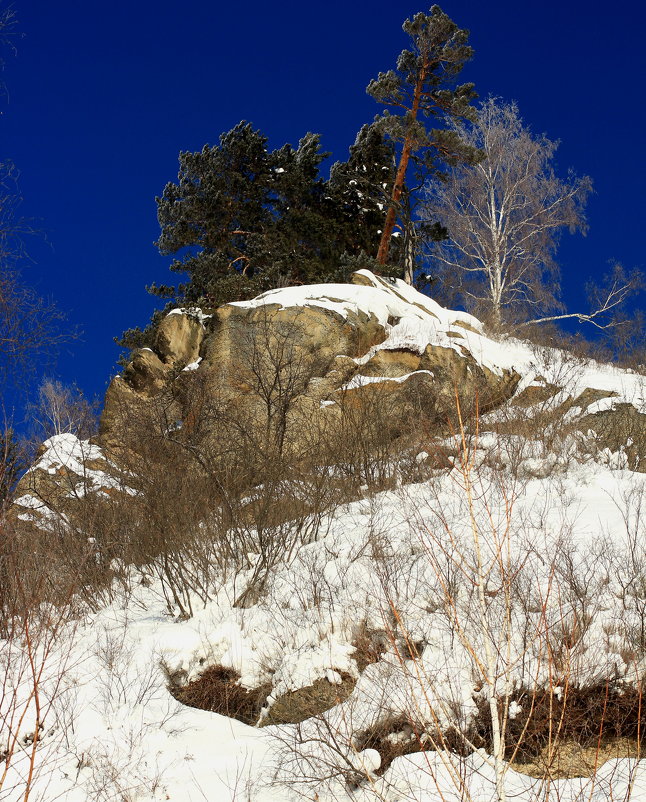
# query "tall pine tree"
(423, 86)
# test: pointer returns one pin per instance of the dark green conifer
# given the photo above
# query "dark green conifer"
(360, 190)
(242, 219)
(217, 214)
(247, 219)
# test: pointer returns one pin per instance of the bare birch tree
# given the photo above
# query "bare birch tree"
(504, 217)
(63, 408)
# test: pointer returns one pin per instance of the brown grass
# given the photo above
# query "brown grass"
(571, 759)
(598, 714)
(219, 691)
(568, 737)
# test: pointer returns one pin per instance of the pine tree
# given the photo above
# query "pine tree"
(304, 243)
(359, 189)
(422, 86)
(248, 219)
(243, 219)
(217, 213)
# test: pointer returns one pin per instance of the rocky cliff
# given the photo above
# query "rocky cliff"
(328, 359)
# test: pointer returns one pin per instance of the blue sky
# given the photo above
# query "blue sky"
(103, 96)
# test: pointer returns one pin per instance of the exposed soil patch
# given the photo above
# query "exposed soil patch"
(569, 736)
(219, 691)
(296, 706)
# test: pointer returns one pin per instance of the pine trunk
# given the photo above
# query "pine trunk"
(400, 177)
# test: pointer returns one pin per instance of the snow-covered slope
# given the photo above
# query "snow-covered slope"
(517, 570)
(110, 725)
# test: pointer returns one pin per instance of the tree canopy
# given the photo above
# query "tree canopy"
(246, 219)
(242, 218)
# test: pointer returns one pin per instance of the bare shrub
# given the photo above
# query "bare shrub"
(33, 662)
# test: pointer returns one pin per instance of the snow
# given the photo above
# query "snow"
(114, 721)
(67, 450)
(191, 311)
(193, 365)
(362, 381)
(111, 730)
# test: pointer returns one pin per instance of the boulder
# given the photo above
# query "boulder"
(312, 351)
(178, 338)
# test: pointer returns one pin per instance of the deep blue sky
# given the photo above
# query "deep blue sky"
(103, 96)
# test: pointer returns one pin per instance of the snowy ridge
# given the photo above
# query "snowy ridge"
(420, 322)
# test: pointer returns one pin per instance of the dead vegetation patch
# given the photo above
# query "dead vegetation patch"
(590, 717)
(369, 645)
(218, 690)
(392, 738)
(571, 734)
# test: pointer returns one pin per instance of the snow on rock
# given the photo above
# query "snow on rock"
(66, 467)
(413, 321)
(67, 451)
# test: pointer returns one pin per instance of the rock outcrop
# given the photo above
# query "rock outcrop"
(328, 345)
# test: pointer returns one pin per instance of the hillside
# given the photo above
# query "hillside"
(335, 542)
